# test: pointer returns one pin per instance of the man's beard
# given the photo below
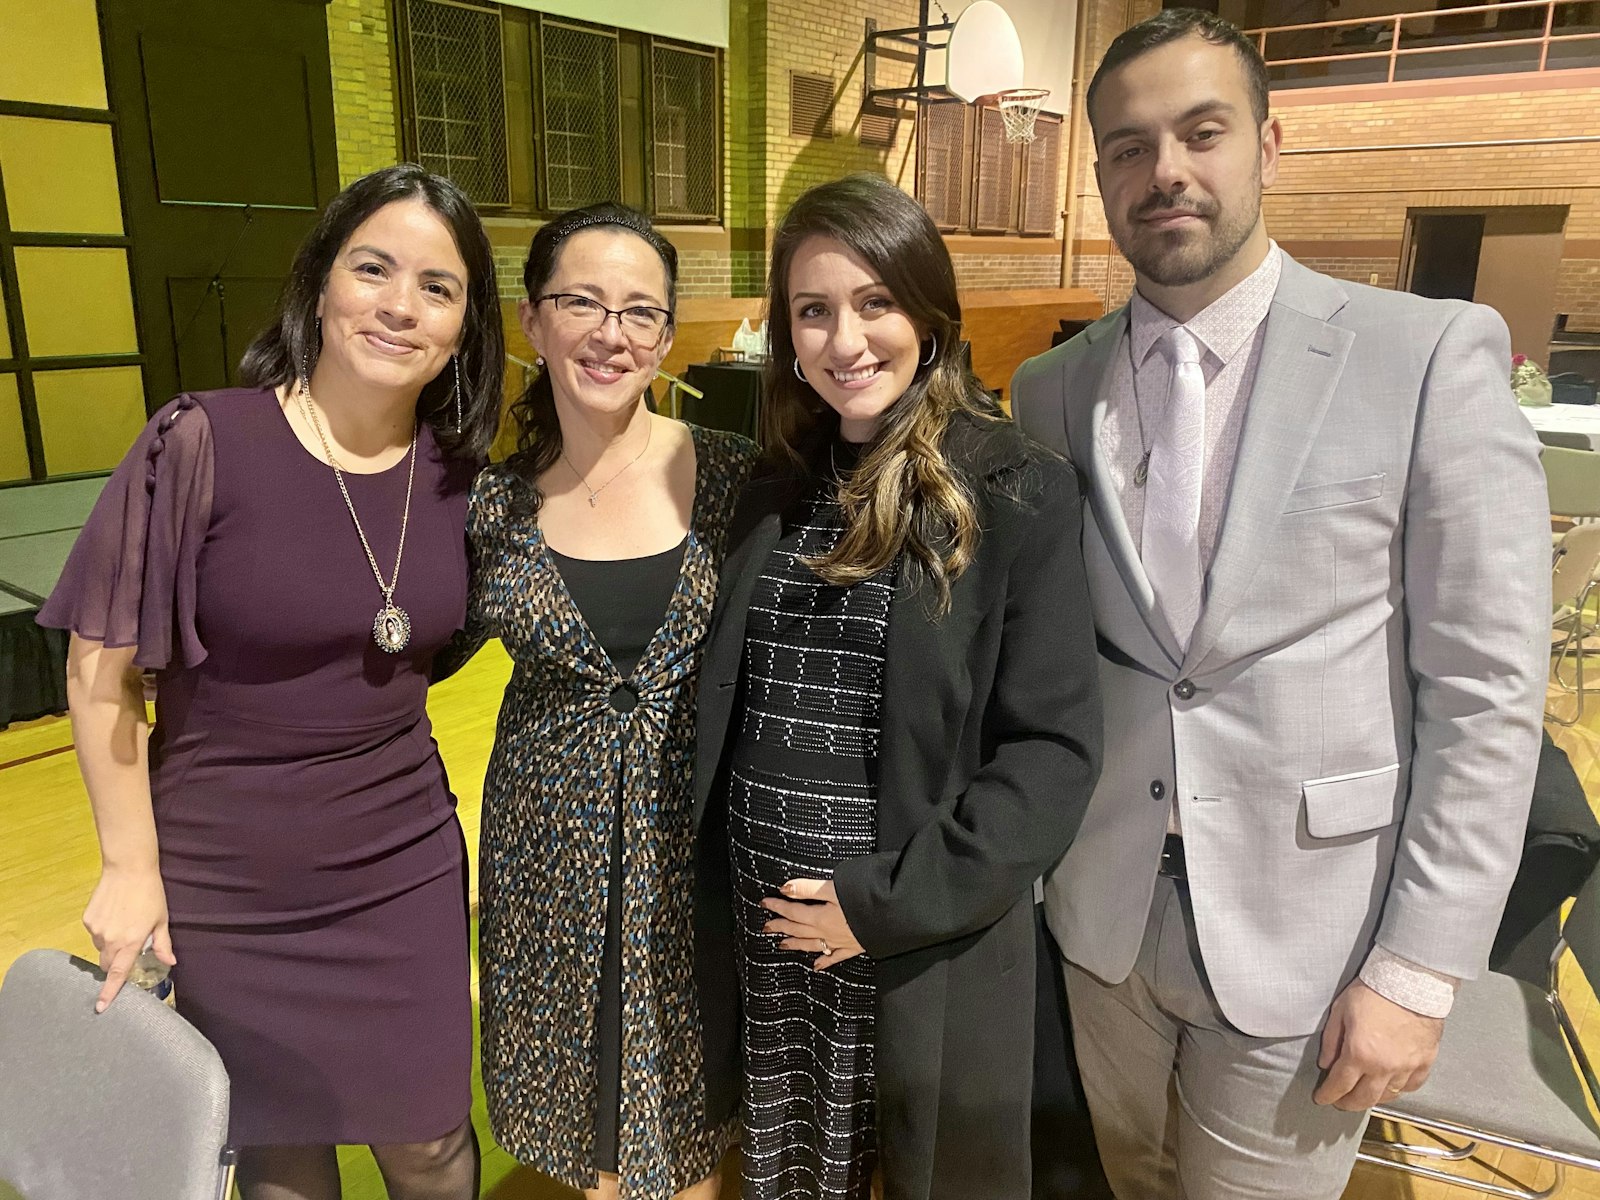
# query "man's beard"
(1180, 258)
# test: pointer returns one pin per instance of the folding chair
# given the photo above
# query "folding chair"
(131, 1103)
(1572, 584)
(1567, 441)
(1504, 1077)
(1573, 480)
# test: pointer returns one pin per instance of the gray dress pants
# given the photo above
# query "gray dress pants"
(1186, 1106)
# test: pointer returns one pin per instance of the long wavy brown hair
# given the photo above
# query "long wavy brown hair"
(905, 495)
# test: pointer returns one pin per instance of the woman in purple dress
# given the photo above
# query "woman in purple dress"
(287, 557)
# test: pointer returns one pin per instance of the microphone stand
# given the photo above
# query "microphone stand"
(216, 284)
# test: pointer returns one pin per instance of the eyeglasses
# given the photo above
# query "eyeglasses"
(641, 323)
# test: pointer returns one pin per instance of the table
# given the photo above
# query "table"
(732, 397)
(1583, 419)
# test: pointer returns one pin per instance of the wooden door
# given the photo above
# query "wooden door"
(227, 150)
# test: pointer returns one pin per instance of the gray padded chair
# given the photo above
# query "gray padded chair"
(1572, 585)
(131, 1104)
(1567, 441)
(1503, 1076)
(1573, 479)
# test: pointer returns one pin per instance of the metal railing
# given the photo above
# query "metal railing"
(1388, 33)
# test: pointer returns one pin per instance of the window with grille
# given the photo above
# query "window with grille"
(535, 114)
(685, 115)
(941, 163)
(1041, 170)
(994, 190)
(578, 84)
(457, 111)
(971, 180)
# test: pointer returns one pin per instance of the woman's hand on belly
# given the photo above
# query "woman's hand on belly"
(812, 922)
(127, 908)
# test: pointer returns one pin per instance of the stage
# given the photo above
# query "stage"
(38, 524)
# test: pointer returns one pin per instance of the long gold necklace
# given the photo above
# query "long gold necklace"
(391, 628)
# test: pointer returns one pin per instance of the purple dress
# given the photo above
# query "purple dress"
(314, 868)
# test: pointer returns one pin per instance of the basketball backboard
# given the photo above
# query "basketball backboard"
(985, 54)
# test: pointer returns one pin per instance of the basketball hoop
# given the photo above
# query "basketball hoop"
(1018, 109)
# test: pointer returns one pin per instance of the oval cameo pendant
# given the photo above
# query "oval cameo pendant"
(391, 628)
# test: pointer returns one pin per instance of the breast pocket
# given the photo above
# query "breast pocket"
(1357, 802)
(1329, 495)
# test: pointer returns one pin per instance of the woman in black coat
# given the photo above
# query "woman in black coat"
(899, 729)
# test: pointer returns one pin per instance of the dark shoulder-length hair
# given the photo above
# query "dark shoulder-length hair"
(906, 495)
(534, 412)
(290, 344)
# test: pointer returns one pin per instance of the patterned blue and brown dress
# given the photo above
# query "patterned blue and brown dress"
(591, 1043)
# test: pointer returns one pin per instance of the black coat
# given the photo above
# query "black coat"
(990, 748)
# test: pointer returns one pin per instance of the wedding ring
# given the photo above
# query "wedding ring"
(1394, 1091)
(826, 949)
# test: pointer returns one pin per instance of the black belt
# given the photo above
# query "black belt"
(1173, 865)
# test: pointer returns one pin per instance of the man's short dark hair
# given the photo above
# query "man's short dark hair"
(1171, 24)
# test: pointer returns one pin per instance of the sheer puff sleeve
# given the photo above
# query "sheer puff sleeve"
(132, 575)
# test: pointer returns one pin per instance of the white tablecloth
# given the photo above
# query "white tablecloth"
(1567, 418)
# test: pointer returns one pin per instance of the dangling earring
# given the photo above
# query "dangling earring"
(305, 361)
(456, 359)
(797, 373)
(934, 352)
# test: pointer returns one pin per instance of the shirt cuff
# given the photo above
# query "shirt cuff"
(1426, 992)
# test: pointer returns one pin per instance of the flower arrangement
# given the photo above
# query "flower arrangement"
(1529, 382)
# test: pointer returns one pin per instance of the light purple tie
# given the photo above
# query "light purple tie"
(1171, 539)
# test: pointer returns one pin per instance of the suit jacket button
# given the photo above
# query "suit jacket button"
(1158, 790)
(1183, 689)
(624, 699)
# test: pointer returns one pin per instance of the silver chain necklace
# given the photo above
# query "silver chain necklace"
(391, 628)
(594, 493)
(1141, 473)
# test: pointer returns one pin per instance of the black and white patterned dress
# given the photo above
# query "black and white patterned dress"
(803, 797)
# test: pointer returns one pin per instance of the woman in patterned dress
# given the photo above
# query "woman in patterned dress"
(899, 730)
(595, 550)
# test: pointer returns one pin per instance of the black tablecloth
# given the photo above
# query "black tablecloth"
(33, 669)
(732, 397)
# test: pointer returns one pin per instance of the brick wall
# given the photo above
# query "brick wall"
(825, 39)
(508, 262)
(765, 167)
(363, 87)
(1007, 271)
(1355, 269)
(748, 269)
(1328, 193)
(1578, 292)
(705, 273)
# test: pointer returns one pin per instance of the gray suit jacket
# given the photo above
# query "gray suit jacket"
(1352, 734)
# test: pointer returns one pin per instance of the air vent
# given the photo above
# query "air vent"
(810, 105)
(879, 124)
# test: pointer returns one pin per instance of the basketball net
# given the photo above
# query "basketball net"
(1018, 109)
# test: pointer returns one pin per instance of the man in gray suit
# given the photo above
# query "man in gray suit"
(1319, 563)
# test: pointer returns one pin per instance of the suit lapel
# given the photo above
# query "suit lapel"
(1302, 357)
(1094, 372)
(914, 721)
(754, 532)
